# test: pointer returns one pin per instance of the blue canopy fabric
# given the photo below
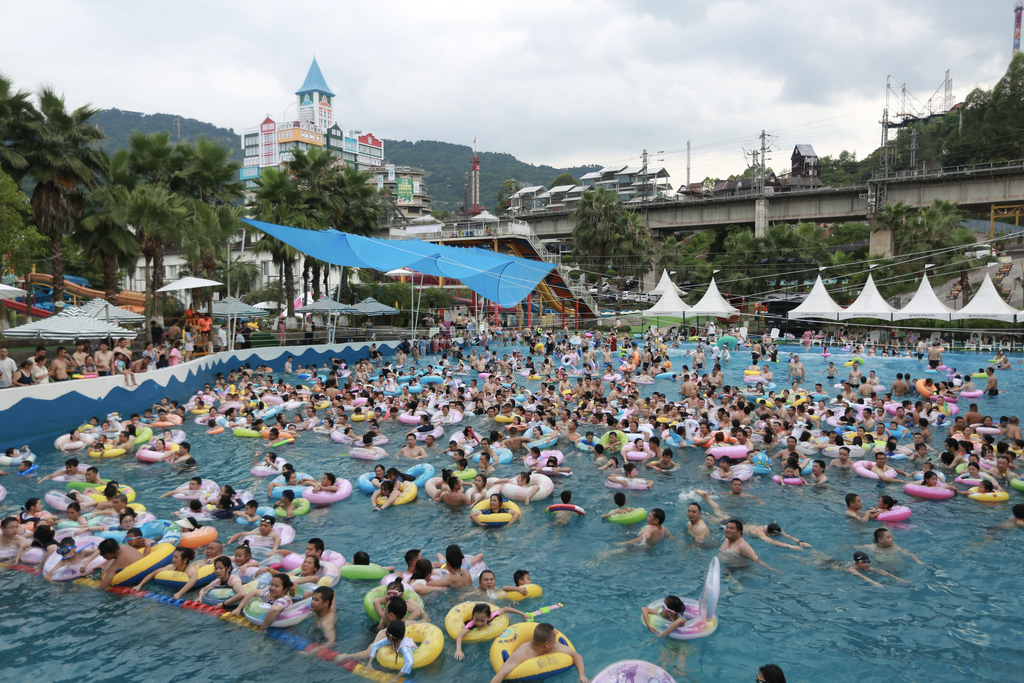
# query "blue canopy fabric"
(505, 280)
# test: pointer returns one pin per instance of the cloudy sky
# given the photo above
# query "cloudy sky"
(561, 82)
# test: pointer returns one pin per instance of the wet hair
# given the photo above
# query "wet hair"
(286, 581)
(396, 630)
(317, 544)
(620, 499)
(326, 594)
(850, 497)
(566, 497)
(771, 673)
(519, 575)
(397, 605)
(244, 546)
(422, 569)
(187, 554)
(543, 633)
(879, 532)
(224, 561)
(361, 557)
(108, 546)
(674, 603)
(738, 523)
(411, 554)
(888, 501)
(659, 515)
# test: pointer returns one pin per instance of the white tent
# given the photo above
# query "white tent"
(818, 305)
(712, 304)
(485, 216)
(870, 304)
(925, 304)
(69, 324)
(665, 284)
(987, 304)
(670, 305)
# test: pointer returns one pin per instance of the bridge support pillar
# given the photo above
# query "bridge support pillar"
(881, 239)
(760, 217)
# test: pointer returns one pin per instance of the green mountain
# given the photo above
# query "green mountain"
(443, 162)
(118, 125)
(445, 165)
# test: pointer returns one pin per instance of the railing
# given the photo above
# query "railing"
(948, 171)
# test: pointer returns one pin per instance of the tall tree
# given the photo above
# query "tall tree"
(60, 155)
(279, 200)
(16, 112)
(594, 224)
(104, 235)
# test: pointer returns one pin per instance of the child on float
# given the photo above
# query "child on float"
(612, 463)
(393, 635)
(395, 607)
(276, 594)
(620, 501)
(481, 618)
(248, 513)
(543, 643)
(671, 611)
(630, 473)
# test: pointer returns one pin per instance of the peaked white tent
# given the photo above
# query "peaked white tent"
(670, 305)
(712, 304)
(870, 304)
(989, 305)
(925, 304)
(818, 305)
(107, 312)
(665, 284)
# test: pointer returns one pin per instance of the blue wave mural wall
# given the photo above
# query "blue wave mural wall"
(37, 415)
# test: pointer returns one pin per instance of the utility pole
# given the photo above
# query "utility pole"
(687, 165)
(764, 155)
(465, 184)
(643, 171)
(178, 121)
(913, 148)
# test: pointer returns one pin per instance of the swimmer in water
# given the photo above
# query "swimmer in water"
(860, 565)
(736, 490)
(695, 525)
(653, 532)
(885, 544)
(735, 546)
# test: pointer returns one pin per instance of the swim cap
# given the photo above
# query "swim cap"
(861, 556)
(774, 529)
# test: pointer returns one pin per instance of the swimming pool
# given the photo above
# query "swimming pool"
(959, 617)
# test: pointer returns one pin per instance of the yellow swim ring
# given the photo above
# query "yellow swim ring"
(532, 591)
(503, 418)
(460, 615)
(429, 641)
(536, 667)
(407, 495)
(107, 452)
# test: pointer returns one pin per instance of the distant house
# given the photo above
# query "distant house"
(531, 198)
(805, 171)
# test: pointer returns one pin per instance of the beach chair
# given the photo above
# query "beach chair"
(935, 336)
(1006, 344)
(872, 339)
(985, 344)
(742, 334)
(973, 341)
(775, 334)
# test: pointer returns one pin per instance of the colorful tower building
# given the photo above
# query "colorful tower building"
(272, 143)
(474, 185)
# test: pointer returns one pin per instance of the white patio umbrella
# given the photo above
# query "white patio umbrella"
(326, 304)
(9, 292)
(69, 324)
(268, 305)
(189, 282)
(107, 312)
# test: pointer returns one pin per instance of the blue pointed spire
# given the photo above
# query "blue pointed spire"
(314, 81)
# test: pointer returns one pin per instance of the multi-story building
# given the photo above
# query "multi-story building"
(272, 143)
(630, 183)
(405, 185)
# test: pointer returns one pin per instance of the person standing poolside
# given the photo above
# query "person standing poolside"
(7, 368)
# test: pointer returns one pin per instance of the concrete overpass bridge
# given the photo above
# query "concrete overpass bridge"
(980, 188)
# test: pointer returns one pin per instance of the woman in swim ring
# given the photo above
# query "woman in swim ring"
(552, 467)
(497, 505)
(481, 618)
(275, 595)
(226, 579)
(182, 562)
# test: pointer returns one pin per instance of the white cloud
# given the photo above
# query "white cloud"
(551, 82)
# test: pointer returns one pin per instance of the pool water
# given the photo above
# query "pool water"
(961, 614)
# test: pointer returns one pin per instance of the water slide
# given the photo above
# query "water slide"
(550, 299)
(21, 306)
(135, 301)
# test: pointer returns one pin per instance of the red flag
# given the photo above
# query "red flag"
(474, 141)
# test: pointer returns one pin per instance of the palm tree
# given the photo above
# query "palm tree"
(158, 217)
(593, 222)
(669, 254)
(59, 151)
(279, 200)
(206, 229)
(896, 219)
(16, 111)
(209, 173)
(104, 235)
